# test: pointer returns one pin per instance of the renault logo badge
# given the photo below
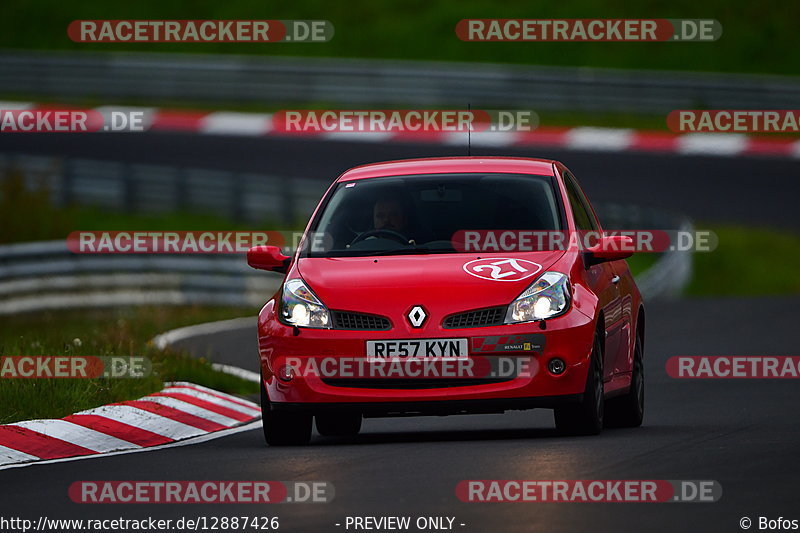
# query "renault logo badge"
(417, 316)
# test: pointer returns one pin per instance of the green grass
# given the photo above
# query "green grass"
(748, 262)
(757, 37)
(28, 216)
(123, 332)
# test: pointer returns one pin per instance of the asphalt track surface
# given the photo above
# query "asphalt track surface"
(742, 433)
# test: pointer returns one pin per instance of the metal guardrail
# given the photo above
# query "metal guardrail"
(670, 274)
(349, 82)
(46, 275)
(132, 187)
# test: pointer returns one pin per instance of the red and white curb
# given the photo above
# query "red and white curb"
(179, 411)
(577, 138)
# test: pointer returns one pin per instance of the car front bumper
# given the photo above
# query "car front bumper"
(568, 337)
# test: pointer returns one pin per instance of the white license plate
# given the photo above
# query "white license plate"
(445, 348)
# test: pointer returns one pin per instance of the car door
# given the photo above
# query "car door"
(602, 279)
(624, 362)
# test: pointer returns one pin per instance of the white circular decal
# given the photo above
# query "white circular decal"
(501, 268)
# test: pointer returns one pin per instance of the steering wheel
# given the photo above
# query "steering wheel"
(383, 232)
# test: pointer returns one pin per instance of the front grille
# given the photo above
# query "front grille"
(359, 321)
(492, 316)
(410, 383)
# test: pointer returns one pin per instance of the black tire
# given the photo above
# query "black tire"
(338, 424)
(628, 411)
(284, 428)
(586, 418)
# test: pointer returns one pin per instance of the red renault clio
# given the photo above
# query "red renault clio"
(415, 291)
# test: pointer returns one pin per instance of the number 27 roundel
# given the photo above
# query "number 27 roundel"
(501, 268)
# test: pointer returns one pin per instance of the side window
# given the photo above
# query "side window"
(582, 221)
(584, 217)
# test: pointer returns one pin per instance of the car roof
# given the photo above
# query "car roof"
(443, 165)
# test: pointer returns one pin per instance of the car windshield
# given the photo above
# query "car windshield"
(422, 213)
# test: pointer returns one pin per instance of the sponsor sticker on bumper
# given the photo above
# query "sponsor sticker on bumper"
(533, 342)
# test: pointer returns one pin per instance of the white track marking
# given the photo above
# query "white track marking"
(77, 435)
(363, 136)
(711, 144)
(230, 123)
(241, 373)
(133, 416)
(16, 106)
(610, 139)
(200, 395)
(183, 434)
(171, 337)
(235, 399)
(583, 138)
(197, 440)
(175, 335)
(192, 409)
(10, 455)
(795, 151)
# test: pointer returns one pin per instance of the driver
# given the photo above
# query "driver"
(389, 214)
(389, 221)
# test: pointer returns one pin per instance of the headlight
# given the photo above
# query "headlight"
(547, 297)
(300, 307)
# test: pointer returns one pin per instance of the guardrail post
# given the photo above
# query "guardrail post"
(181, 189)
(129, 186)
(237, 197)
(287, 201)
(67, 180)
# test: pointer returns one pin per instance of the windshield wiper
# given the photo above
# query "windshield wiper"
(395, 251)
(410, 251)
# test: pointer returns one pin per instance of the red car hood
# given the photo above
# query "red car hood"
(391, 285)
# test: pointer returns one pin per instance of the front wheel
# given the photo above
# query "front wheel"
(586, 418)
(284, 428)
(628, 411)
